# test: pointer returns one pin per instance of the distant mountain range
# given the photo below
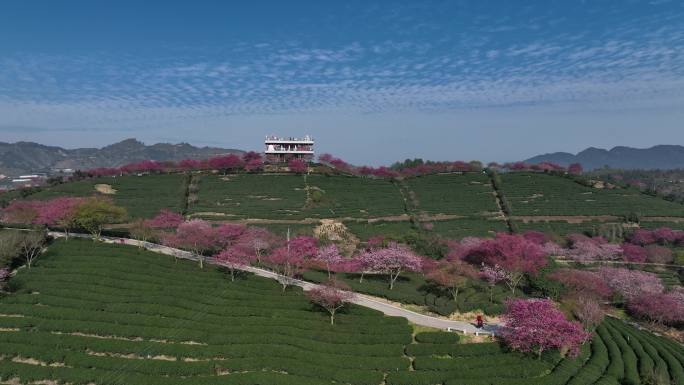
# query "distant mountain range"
(663, 157)
(26, 157)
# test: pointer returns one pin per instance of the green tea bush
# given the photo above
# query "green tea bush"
(437, 337)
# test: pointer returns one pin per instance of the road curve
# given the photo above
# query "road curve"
(358, 299)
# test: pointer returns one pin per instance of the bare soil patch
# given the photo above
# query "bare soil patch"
(105, 189)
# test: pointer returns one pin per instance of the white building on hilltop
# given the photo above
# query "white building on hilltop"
(279, 150)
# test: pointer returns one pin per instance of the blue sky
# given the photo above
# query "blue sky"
(372, 81)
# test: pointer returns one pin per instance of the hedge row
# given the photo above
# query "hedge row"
(437, 337)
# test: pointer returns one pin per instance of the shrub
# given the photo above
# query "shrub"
(437, 338)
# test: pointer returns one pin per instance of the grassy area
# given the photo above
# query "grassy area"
(541, 194)
(142, 196)
(285, 196)
(459, 194)
(112, 314)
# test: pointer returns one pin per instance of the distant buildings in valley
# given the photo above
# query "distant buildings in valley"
(279, 150)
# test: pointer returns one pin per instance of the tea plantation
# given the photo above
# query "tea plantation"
(286, 197)
(542, 194)
(112, 314)
(142, 196)
(618, 354)
(94, 313)
(455, 205)
(460, 194)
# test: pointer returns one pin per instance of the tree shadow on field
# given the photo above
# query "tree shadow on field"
(238, 274)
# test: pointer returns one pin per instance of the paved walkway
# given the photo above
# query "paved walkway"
(359, 299)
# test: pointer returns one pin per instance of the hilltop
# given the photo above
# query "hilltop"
(26, 157)
(663, 157)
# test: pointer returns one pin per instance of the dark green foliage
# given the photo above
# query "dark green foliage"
(540, 285)
(437, 338)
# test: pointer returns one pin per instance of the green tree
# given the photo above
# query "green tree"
(94, 213)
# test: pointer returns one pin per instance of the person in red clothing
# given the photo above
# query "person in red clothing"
(479, 321)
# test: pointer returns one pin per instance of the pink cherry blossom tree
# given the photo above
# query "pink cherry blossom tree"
(493, 275)
(536, 325)
(329, 256)
(633, 253)
(513, 253)
(392, 260)
(659, 254)
(642, 237)
(142, 231)
(228, 233)
(331, 296)
(588, 311)
(189, 164)
(297, 166)
(230, 162)
(233, 258)
(293, 258)
(166, 219)
(631, 283)
(257, 240)
(585, 249)
(24, 212)
(59, 212)
(196, 236)
(254, 165)
(452, 276)
(659, 308)
(575, 168)
(286, 263)
(582, 283)
(250, 156)
(536, 236)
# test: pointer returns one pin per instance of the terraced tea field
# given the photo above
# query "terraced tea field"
(619, 354)
(468, 227)
(285, 197)
(546, 195)
(560, 228)
(142, 196)
(107, 314)
(454, 194)
(112, 314)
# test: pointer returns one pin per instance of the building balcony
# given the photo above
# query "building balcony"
(283, 151)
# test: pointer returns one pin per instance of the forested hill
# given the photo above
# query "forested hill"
(664, 157)
(26, 157)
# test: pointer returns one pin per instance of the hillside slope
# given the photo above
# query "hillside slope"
(657, 157)
(24, 157)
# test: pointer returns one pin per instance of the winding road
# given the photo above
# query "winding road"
(358, 299)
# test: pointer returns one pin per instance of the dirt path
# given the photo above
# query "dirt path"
(359, 299)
